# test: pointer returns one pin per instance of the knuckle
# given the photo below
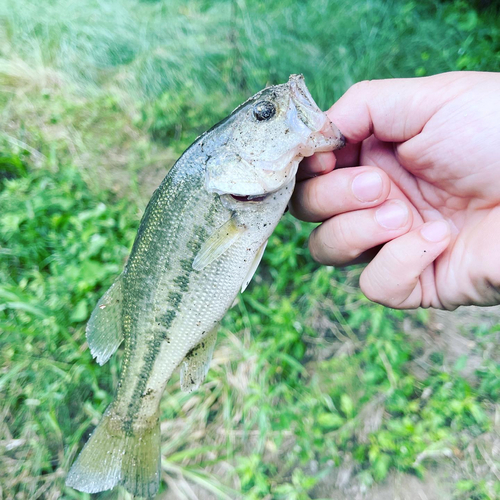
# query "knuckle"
(494, 281)
(328, 246)
(406, 154)
(318, 199)
(487, 284)
(361, 87)
(396, 259)
(392, 280)
(313, 245)
(368, 287)
(342, 238)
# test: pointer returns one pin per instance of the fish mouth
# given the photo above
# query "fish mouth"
(249, 198)
(305, 106)
(308, 119)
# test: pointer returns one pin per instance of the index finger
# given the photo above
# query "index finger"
(317, 164)
(324, 163)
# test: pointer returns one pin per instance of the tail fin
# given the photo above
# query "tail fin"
(113, 456)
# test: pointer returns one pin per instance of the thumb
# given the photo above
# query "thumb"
(393, 110)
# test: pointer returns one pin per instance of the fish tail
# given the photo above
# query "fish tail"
(115, 456)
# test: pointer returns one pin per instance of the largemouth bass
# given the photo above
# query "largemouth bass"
(199, 243)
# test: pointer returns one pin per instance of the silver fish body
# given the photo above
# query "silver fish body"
(199, 242)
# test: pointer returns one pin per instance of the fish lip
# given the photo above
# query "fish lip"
(307, 109)
(308, 112)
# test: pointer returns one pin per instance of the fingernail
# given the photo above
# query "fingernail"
(392, 215)
(435, 231)
(367, 186)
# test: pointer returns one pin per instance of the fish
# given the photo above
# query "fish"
(199, 243)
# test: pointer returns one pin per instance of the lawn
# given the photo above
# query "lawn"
(314, 392)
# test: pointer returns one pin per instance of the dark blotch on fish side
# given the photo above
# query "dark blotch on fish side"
(182, 282)
(147, 393)
(174, 299)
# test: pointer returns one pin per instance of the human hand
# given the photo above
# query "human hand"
(415, 193)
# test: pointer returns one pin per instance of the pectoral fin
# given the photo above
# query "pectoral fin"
(217, 244)
(255, 265)
(195, 365)
(104, 329)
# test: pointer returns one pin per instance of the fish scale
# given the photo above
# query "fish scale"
(198, 244)
(170, 246)
(148, 264)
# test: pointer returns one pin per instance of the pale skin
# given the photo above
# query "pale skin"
(415, 193)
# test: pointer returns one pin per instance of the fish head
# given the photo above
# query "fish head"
(262, 142)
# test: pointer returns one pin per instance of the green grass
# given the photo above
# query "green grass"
(309, 378)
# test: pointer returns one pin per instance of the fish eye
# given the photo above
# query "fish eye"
(264, 110)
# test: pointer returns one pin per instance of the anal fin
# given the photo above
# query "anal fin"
(104, 329)
(196, 364)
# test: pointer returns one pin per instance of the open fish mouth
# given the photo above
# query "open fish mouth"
(304, 105)
(306, 117)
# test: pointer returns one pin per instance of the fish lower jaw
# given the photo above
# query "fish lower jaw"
(269, 191)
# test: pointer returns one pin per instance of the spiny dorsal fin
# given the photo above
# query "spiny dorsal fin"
(255, 265)
(104, 329)
(196, 364)
(228, 234)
